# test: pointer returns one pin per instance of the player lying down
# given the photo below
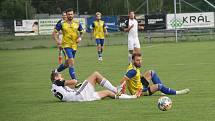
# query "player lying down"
(63, 89)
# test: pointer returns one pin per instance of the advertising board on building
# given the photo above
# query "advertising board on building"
(25, 27)
(46, 26)
(190, 20)
(153, 22)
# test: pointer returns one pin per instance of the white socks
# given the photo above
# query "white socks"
(129, 58)
(106, 84)
(124, 96)
(181, 92)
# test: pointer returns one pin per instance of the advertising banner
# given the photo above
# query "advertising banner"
(190, 20)
(153, 22)
(46, 26)
(25, 27)
(110, 21)
(122, 20)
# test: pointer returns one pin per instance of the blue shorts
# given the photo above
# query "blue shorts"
(100, 42)
(69, 52)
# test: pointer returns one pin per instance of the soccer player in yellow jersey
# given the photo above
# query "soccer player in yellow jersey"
(146, 83)
(99, 32)
(72, 34)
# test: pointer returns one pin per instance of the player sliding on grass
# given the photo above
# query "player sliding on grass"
(140, 84)
(99, 32)
(63, 89)
(72, 33)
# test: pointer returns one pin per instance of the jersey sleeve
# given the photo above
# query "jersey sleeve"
(58, 26)
(126, 23)
(131, 73)
(105, 26)
(80, 28)
(93, 25)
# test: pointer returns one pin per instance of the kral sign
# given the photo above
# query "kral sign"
(190, 20)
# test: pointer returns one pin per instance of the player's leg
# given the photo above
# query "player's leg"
(64, 65)
(102, 42)
(70, 53)
(107, 93)
(130, 49)
(158, 85)
(130, 53)
(136, 50)
(101, 48)
(136, 46)
(96, 77)
(98, 48)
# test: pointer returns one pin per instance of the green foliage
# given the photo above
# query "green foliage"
(11, 9)
(15, 9)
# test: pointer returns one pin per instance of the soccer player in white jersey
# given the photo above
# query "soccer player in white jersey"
(133, 40)
(65, 91)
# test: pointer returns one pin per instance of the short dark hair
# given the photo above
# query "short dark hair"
(69, 9)
(136, 55)
(53, 75)
(63, 12)
(131, 11)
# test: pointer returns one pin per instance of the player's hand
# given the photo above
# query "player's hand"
(139, 92)
(106, 34)
(79, 39)
(131, 26)
(59, 44)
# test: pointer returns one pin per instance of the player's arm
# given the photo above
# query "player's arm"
(141, 27)
(129, 74)
(127, 27)
(81, 31)
(105, 29)
(92, 28)
(55, 34)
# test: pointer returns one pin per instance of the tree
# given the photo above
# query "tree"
(15, 9)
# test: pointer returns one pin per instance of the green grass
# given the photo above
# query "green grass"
(8, 42)
(25, 85)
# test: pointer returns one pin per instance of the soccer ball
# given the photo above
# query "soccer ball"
(164, 103)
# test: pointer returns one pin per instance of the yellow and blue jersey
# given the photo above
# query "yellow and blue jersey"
(70, 31)
(134, 83)
(98, 29)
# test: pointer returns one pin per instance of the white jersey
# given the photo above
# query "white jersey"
(85, 93)
(133, 40)
(133, 33)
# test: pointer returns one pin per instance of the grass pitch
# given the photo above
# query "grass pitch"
(25, 85)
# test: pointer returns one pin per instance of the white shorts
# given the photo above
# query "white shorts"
(87, 92)
(133, 43)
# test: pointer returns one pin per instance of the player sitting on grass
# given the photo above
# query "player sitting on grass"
(63, 89)
(140, 84)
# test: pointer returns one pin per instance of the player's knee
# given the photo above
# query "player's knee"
(152, 72)
(70, 62)
(96, 73)
(155, 87)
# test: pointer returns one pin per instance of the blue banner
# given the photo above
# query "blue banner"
(110, 21)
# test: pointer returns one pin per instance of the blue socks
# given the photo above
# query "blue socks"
(61, 68)
(161, 87)
(72, 72)
(155, 78)
(166, 90)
